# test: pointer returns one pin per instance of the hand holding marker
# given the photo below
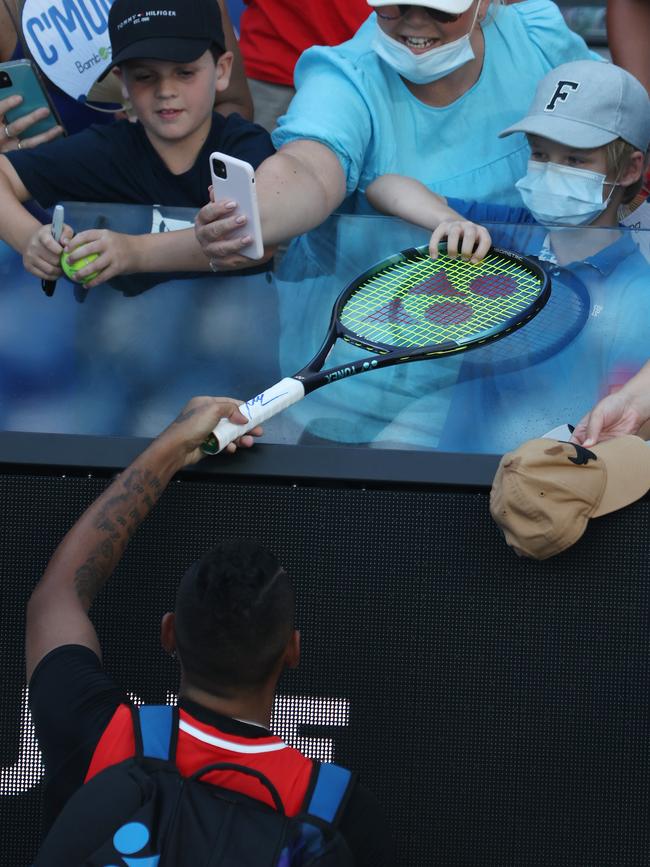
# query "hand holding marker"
(48, 286)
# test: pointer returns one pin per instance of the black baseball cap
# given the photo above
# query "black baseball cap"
(175, 30)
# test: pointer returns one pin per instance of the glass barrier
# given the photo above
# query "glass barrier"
(121, 359)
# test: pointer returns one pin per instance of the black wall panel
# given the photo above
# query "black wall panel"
(498, 707)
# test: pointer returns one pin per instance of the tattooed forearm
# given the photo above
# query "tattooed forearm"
(85, 559)
(89, 580)
(120, 512)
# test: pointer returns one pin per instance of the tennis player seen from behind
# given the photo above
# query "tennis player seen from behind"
(232, 632)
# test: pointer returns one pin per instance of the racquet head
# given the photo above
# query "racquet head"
(408, 308)
(439, 306)
(556, 326)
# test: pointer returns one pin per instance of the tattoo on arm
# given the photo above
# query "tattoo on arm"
(117, 520)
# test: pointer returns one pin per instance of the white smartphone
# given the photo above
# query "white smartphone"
(234, 180)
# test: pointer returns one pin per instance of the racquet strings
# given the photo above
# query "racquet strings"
(554, 328)
(419, 302)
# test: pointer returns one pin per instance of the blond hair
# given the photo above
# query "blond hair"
(618, 154)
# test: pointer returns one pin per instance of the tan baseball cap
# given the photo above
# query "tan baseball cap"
(545, 492)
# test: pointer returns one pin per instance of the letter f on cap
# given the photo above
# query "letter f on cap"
(561, 93)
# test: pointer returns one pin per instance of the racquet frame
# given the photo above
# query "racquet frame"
(312, 376)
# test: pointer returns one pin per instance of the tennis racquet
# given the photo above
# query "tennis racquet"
(558, 324)
(409, 307)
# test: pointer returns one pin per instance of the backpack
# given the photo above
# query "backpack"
(143, 813)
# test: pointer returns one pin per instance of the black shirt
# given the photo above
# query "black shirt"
(117, 163)
(72, 700)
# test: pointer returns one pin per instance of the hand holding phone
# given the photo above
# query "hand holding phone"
(17, 135)
(234, 180)
(21, 78)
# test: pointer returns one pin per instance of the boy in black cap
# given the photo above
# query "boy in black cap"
(171, 60)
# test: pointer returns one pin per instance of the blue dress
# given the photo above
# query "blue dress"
(350, 100)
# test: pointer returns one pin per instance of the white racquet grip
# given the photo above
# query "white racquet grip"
(258, 409)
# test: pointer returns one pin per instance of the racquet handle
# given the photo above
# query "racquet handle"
(257, 410)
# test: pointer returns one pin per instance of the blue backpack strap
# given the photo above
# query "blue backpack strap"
(329, 792)
(156, 731)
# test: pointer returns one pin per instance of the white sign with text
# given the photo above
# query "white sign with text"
(69, 41)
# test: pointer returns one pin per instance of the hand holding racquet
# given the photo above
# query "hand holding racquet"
(409, 307)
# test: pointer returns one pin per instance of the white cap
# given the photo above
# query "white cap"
(455, 7)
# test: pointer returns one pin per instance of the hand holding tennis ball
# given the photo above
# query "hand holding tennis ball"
(70, 268)
(116, 253)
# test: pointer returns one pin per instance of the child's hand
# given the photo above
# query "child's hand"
(115, 255)
(42, 255)
(468, 239)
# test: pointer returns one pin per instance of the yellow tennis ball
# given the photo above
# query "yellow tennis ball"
(70, 268)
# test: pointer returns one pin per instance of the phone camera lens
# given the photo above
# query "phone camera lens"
(219, 169)
(5, 81)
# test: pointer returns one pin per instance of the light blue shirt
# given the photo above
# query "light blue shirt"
(439, 403)
(353, 102)
(508, 408)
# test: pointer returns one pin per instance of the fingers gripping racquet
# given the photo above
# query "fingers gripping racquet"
(409, 308)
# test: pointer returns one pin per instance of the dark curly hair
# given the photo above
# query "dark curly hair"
(234, 617)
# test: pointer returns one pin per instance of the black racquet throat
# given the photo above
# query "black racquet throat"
(409, 308)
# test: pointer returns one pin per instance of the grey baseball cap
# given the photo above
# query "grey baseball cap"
(587, 104)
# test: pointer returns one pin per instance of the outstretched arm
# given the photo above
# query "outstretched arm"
(137, 254)
(297, 188)
(625, 411)
(409, 199)
(57, 612)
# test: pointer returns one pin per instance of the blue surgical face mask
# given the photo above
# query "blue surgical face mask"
(424, 68)
(563, 195)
